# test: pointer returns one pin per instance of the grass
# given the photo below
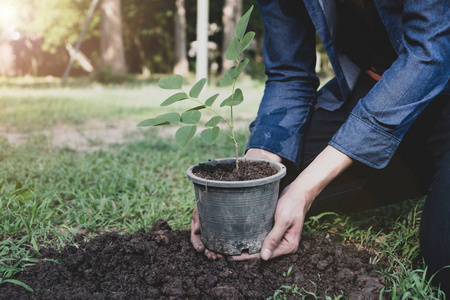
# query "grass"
(28, 109)
(392, 233)
(48, 195)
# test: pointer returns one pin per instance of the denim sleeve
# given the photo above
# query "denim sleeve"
(378, 123)
(289, 57)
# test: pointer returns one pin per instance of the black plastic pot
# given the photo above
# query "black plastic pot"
(236, 216)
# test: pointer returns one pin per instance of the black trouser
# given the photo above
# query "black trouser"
(420, 166)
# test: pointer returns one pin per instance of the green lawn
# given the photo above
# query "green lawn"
(49, 194)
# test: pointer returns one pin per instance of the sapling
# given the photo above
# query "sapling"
(190, 120)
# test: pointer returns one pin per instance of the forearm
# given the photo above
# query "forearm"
(325, 167)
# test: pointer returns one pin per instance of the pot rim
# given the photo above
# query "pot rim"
(237, 184)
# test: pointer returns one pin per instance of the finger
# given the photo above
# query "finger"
(287, 246)
(271, 242)
(245, 256)
(195, 217)
(290, 241)
(212, 255)
(196, 239)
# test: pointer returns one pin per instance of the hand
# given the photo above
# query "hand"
(295, 201)
(284, 238)
(196, 239)
(262, 154)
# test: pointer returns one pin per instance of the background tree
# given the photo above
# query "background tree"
(181, 62)
(111, 42)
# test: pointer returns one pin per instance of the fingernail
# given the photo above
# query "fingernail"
(266, 254)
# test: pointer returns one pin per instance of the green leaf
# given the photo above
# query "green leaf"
(197, 88)
(246, 41)
(184, 135)
(191, 117)
(214, 121)
(240, 68)
(227, 79)
(165, 119)
(209, 135)
(173, 118)
(173, 82)
(210, 101)
(149, 122)
(233, 72)
(174, 98)
(233, 49)
(241, 26)
(200, 107)
(17, 282)
(233, 100)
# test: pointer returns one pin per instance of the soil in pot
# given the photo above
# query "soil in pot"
(248, 170)
(161, 264)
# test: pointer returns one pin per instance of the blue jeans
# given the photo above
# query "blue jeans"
(421, 166)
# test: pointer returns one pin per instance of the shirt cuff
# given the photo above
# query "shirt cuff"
(365, 143)
(278, 140)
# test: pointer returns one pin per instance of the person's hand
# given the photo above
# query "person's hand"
(262, 154)
(196, 238)
(295, 201)
(284, 238)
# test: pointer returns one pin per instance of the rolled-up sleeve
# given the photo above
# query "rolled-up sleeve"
(289, 57)
(378, 123)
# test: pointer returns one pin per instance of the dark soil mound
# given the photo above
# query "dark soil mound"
(162, 264)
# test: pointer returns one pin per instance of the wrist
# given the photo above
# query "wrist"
(327, 166)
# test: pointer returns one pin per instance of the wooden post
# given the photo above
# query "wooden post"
(202, 39)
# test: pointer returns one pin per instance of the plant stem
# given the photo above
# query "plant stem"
(233, 89)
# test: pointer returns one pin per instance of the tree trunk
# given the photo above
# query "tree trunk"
(231, 13)
(181, 63)
(111, 42)
(137, 42)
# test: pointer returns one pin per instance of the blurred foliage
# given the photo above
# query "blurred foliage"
(39, 30)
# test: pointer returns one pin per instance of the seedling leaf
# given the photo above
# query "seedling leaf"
(227, 78)
(184, 135)
(209, 135)
(210, 101)
(241, 67)
(214, 121)
(175, 98)
(233, 49)
(165, 119)
(197, 88)
(247, 40)
(200, 107)
(173, 82)
(241, 26)
(173, 118)
(191, 117)
(233, 100)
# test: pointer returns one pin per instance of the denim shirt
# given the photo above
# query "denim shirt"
(420, 34)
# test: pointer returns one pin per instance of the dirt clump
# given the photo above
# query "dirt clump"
(162, 264)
